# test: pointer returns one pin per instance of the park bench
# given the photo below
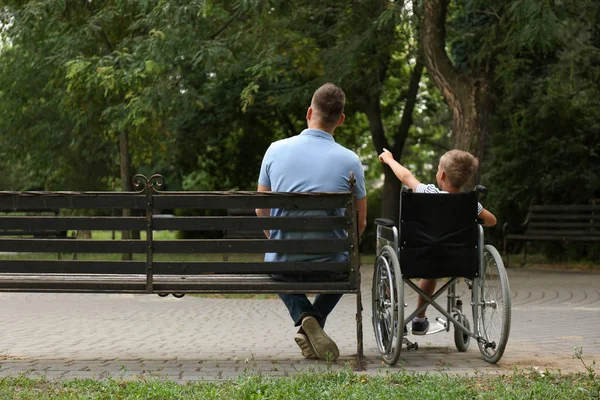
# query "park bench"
(563, 223)
(28, 231)
(176, 266)
(237, 233)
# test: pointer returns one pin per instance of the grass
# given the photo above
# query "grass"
(344, 384)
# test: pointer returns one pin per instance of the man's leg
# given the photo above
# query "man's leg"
(420, 325)
(311, 338)
(324, 304)
(299, 307)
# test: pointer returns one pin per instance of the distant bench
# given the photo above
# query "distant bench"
(564, 223)
(176, 271)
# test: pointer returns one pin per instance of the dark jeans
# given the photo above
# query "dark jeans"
(300, 306)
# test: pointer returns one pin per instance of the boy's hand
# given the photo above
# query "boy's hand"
(386, 156)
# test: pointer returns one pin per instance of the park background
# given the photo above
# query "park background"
(93, 92)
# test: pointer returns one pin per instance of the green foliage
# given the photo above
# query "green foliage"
(546, 146)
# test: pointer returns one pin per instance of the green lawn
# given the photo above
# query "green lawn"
(344, 384)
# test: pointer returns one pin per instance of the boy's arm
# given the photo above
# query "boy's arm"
(488, 218)
(401, 172)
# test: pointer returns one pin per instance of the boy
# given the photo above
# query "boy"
(455, 169)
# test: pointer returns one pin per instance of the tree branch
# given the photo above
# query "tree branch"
(433, 39)
(409, 107)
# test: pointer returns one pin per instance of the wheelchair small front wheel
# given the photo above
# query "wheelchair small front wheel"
(493, 306)
(461, 339)
(388, 305)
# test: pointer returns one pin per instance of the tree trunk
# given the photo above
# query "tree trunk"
(126, 184)
(467, 96)
(390, 203)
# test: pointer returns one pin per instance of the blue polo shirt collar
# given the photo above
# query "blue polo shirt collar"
(317, 133)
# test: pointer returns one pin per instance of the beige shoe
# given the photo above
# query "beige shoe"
(304, 344)
(324, 348)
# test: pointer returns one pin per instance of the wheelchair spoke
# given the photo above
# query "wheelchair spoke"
(493, 307)
(386, 292)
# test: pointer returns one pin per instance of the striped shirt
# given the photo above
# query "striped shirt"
(432, 189)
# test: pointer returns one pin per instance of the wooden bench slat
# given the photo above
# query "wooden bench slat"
(72, 267)
(569, 208)
(562, 217)
(168, 284)
(73, 223)
(71, 246)
(82, 267)
(70, 200)
(553, 237)
(238, 223)
(251, 246)
(289, 201)
(564, 225)
(563, 232)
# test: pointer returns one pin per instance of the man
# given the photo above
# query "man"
(313, 162)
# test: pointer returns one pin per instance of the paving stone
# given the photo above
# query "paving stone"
(66, 336)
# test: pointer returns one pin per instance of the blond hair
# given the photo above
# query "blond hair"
(459, 167)
(328, 102)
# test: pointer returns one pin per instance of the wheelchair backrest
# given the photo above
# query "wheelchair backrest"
(439, 235)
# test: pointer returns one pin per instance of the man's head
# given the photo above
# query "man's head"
(327, 108)
(456, 168)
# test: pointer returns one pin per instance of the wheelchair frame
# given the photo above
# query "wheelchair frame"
(388, 300)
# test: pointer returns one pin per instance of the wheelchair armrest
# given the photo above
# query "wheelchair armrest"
(385, 222)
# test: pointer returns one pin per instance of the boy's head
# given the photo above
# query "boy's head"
(327, 106)
(456, 168)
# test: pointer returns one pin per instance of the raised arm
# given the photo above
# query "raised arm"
(402, 173)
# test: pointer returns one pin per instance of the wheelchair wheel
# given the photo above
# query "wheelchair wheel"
(494, 306)
(388, 305)
(462, 340)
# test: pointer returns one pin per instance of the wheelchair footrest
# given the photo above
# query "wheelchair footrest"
(440, 325)
(410, 345)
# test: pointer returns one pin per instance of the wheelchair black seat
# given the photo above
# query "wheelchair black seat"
(439, 235)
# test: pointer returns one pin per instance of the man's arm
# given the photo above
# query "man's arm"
(264, 212)
(361, 207)
(402, 173)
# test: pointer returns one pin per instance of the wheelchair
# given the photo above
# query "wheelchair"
(439, 236)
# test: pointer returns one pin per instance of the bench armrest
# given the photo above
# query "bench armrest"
(384, 222)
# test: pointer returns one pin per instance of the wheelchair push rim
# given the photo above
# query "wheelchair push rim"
(494, 306)
(388, 305)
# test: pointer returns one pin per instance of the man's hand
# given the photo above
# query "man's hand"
(264, 212)
(386, 157)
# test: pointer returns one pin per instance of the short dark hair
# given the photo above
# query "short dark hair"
(459, 166)
(328, 102)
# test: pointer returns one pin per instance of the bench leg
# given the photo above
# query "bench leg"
(359, 332)
(524, 253)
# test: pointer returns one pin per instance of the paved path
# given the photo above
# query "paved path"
(68, 336)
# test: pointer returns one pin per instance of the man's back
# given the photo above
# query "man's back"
(310, 162)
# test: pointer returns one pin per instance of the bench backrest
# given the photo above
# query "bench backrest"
(175, 258)
(564, 220)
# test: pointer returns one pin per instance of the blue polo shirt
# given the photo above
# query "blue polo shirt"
(310, 162)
